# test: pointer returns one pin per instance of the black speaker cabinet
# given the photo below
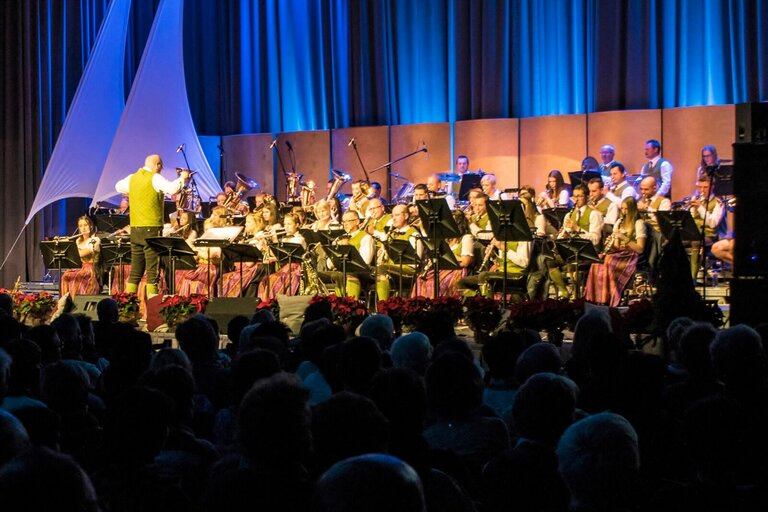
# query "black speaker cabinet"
(224, 309)
(748, 305)
(86, 305)
(752, 122)
(750, 186)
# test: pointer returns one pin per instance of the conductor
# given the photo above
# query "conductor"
(146, 188)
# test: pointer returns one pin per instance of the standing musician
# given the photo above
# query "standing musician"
(434, 190)
(400, 230)
(584, 222)
(377, 220)
(705, 205)
(84, 280)
(359, 201)
(462, 248)
(556, 193)
(288, 278)
(657, 167)
(479, 225)
(619, 188)
(251, 271)
(146, 189)
(488, 184)
(361, 241)
(650, 203)
(606, 281)
(608, 158)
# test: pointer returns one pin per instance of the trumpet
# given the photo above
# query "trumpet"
(686, 202)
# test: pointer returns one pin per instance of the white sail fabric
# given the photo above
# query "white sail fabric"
(157, 118)
(86, 136)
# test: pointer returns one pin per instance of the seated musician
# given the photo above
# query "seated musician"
(323, 219)
(597, 200)
(435, 190)
(488, 184)
(583, 222)
(516, 261)
(364, 243)
(479, 225)
(252, 272)
(709, 211)
(377, 220)
(650, 203)
(84, 280)
(376, 192)
(359, 200)
(420, 193)
(606, 281)
(385, 269)
(462, 248)
(234, 202)
(200, 279)
(619, 188)
(288, 278)
(271, 219)
(556, 194)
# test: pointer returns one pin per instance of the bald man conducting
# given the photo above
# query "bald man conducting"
(146, 189)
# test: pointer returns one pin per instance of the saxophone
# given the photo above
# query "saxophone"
(311, 284)
(610, 239)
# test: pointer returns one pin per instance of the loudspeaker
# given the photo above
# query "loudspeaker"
(86, 305)
(750, 183)
(748, 301)
(224, 309)
(752, 122)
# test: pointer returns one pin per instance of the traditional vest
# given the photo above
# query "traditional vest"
(404, 235)
(482, 222)
(583, 221)
(357, 239)
(512, 268)
(603, 205)
(620, 188)
(654, 171)
(146, 203)
(653, 206)
(380, 224)
(710, 232)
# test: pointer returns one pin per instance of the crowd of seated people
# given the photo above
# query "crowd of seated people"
(93, 417)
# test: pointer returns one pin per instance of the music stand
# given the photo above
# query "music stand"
(242, 252)
(217, 237)
(401, 252)
(577, 249)
(109, 223)
(682, 221)
(114, 254)
(555, 216)
(286, 253)
(439, 224)
(328, 237)
(469, 180)
(508, 224)
(582, 177)
(348, 259)
(60, 254)
(179, 254)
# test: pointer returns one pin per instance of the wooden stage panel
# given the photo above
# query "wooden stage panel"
(313, 160)
(373, 146)
(249, 155)
(407, 138)
(551, 142)
(491, 145)
(627, 131)
(686, 131)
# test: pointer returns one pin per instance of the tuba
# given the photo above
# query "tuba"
(339, 179)
(188, 197)
(244, 184)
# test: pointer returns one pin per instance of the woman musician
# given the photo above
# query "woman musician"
(202, 278)
(288, 278)
(556, 194)
(84, 280)
(252, 272)
(606, 281)
(462, 248)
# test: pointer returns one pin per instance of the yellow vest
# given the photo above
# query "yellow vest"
(146, 203)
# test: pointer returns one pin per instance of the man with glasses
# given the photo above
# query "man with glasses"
(364, 244)
(377, 219)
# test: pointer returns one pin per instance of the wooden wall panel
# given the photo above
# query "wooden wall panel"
(408, 138)
(551, 142)
(313, 157)
(627, 131)
(686, 131)
(249, 155)
(491, 145)
(373, 146)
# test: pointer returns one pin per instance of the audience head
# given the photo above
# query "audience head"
(360, 360)
(599, 461)
(6, 304)
(69, 333)
(538, 358)
(136, 426)
(500, 353)
(694, 350)
(177, 384)
(107, 311)
(674, 332)
(24, 376)
(454, 386)
(48, 340)
(437, 325)
(65, 387)
(371, 482)
(252, 367)
(10, 329)
(380, 328)
(197, 339)
(412, 351)
(738, 358)
(170, 356)
(401, 396)
(13, 437)
(544, 407)
(234, 327)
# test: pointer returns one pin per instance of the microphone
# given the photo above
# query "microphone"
(423, 143)
(351, 141)
(181, 147)
(288, 143)
(274, 143)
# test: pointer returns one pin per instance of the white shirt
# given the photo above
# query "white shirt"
(595, 226)
(627, 191)
(159, 183)
(666, 175)
(520, 256)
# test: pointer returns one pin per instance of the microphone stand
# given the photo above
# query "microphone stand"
(354, 146)
(389, 164)
(183, 149)
(282, 168)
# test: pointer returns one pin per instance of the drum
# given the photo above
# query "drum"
(405, 194)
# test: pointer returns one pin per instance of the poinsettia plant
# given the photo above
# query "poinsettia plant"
(37, 306)
(176, 308)
(127, 304)
(346, 310)
(482, 314)
(545, 315)
(270, 304)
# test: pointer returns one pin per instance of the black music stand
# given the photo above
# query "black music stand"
(179, 254)
(348, 259)
(109, 223)
(328, 237)
(682, 221)
(580, 250)
(217, 237)
(115, 254)
(401, 252)
(242, 253)
(555, 216)
(508, 224)
(287, 253)
(60, 254)
(469, 180)
(438, 223)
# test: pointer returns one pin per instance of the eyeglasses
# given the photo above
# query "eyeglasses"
(706, 155)
(350, 220)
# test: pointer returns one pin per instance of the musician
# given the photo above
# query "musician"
(462, 248)
(461, 167)
(658, 167)
(589, 164)
(359, 201)
(377, 219)
(723, 250)
(400, 230)
(203, 278)
(479, 225)
(709, 158)
(252, 272)
(364, 243)
(288, 278)
(620, 188)
(597, 200)
(708, 211)
(650, 203)
(420, 193)
(233, 201)
(145, 189)
(323, 222)
(608, 158)
(435, 190)
(271, 220)
(606, 281)
(84, 280)
(336, 210)
(488, 184)
(376, 192)
(556, 193)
